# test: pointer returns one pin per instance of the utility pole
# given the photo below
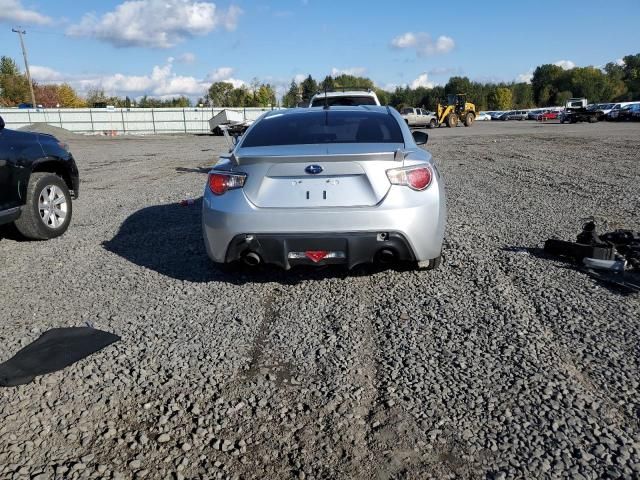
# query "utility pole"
(26, 63)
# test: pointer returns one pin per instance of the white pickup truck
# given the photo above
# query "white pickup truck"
(419, 117)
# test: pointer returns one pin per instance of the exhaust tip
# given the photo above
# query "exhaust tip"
(252, 259)
(386, 256)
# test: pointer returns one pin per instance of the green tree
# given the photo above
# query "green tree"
(14, 87)
(522, 95)
(563, 97)
(290, 99)
(328, 83)
(545, 84)
(309, 88)
(220, 94)
(265, 96)
(502, 98)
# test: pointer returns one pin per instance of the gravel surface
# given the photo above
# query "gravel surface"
(501, 364)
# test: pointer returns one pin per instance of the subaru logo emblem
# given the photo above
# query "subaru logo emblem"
(313, 169)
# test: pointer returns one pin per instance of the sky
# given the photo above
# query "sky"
(166, 48)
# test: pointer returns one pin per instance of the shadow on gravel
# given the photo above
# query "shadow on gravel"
(193, 170)
(168, 239)
(10, 232)
(611, 281)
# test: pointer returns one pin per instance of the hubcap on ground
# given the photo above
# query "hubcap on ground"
(53, 206)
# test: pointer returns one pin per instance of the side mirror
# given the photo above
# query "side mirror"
(1, 123)
(420, 137)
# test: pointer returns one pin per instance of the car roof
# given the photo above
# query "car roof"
(347, 93)
(343, 108)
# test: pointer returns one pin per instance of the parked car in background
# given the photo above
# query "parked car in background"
(615, 110)
(514, 115)
(549, 115)
(627, 112)
(535, 114)
(495, 115)
(636, 113)
(605, 108)
(38, 179)
(483, 116)
(309, 186)
(419, 117)
(344, 98)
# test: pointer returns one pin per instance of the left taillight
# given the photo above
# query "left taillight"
(220, 183)
(417, 177)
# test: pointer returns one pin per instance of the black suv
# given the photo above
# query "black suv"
(38, 179)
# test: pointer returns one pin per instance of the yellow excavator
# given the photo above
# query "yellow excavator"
(457, 109)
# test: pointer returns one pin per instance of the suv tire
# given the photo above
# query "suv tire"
(47, 212)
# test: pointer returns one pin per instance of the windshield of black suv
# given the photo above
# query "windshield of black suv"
(324, 126)
(346, 101)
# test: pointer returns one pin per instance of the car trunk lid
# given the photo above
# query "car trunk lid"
(347, 175)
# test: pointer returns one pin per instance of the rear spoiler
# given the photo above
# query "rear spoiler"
(397, 155)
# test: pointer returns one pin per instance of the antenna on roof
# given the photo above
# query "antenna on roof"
(326, 100)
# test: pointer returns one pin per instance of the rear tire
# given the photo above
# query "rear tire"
(452, 120)
(593, 119)
(48, 209)
(433, 123)
(468, 119)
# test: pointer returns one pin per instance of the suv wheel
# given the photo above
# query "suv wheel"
(48, 209)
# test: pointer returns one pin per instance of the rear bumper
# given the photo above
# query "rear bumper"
(351, 249)
(417, 217)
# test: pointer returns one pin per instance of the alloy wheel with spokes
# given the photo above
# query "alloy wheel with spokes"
(52, 206)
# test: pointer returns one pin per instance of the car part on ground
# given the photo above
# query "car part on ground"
(232, 121)
(348, 181)
(54, 350)
(38, 179)
(617, 252)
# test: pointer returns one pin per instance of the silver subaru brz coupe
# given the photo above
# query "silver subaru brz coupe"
(326, 185)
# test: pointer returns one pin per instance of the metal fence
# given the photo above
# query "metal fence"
(122, 120)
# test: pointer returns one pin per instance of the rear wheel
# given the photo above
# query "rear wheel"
(593, 119)
(433, 123)
(452, 120)
(48, 209)
(468, 119)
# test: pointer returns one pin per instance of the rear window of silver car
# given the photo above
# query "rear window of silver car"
(345, 101)
(324, 126)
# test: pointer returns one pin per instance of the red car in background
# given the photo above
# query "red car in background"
(553, 115)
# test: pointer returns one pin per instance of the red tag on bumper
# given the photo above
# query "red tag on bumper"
(316, 255)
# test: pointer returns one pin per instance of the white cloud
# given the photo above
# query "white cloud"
(620, 62)
(356, 71)
(565, 64)
(45, 74)
(422, 81)
(187, 57)
(525, 77)
(423, 43)
(13, 11)
(161, 82)
(224, 74)
(300, 77)
(155, 23)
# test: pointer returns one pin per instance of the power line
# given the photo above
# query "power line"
(26, 63)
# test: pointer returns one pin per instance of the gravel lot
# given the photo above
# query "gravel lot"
(501, 364)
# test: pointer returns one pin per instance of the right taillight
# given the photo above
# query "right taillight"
(417, 177)
(220, 183)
